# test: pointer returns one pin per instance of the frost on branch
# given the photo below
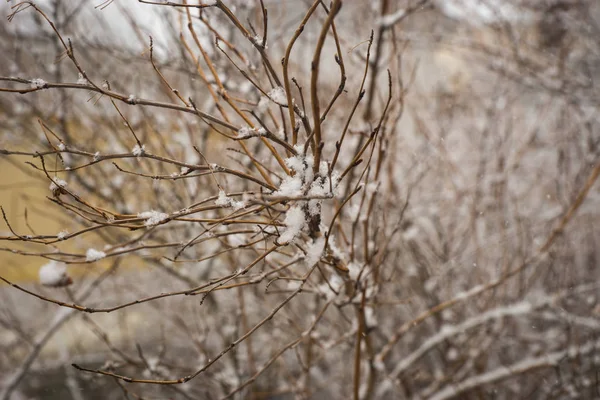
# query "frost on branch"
(94, 255)
(54, 274)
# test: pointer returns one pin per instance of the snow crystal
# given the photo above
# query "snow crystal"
(278, 95)
(314, 251)
(138, 151)
(62, 235)
(81, 80)
(94, 255)
(246, 132)
(225, 201)
(335, 250)
(238, 205)
(38, 83)
(258, 40)
(62, 147)
(294, 222)
(301, 163)
(57, 183)
(54, 274)
(263, 104)
(354, 270)
(321, 187)
(323, 168)
(153, 217)
(131, 99)
(292, 186)
(96, 156)
(281, 133)
(184, 170)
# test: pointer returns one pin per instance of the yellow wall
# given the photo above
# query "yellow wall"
(18, 191)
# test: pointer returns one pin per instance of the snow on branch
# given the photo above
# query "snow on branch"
(54, 274)
(94, 255)
(153, 217)
(225, 201)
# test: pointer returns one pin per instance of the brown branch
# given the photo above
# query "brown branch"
(314, 78)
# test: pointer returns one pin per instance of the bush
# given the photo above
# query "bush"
(270, 200)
